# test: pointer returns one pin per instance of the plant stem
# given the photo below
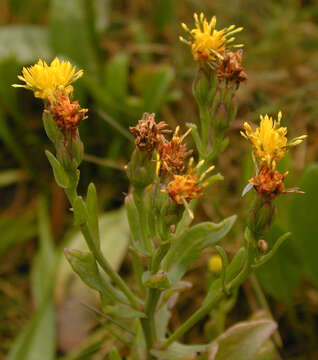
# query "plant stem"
(215, 298)
(71, 193)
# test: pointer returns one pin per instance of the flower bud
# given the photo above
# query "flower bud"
(204, 87)
(262, 246)
(141, 170)
(70, 151)
(261, 216)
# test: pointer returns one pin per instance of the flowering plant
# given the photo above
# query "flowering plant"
(166, 185)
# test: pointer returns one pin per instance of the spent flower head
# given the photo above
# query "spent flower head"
(230, 69)
(46, 81)
(269, 141)
(188, 186)
(148, 133)
(208, 44)
(66, 113)
(172, 154)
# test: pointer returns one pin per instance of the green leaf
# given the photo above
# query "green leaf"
(70, 33)
(121, 311)
(188, 247)
(60, 175)
(243, 340)
(156, 89)
(178, 351)
(44, 264)
(84, 264)
(303, 222)
(156, 281)
(114, 355)
(26, 43)
(116, 77)
(80, 211)
(114, 239)
(162, 318)
(280, 275)
(15, 230)
(164, 12)
(39, 336)
(51, 129)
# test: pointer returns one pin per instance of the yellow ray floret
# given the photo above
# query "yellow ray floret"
(207, 43)
(45, 80)
(269, 140)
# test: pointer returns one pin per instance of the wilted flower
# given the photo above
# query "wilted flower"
(172, 154)
(148, 133)
(207, 43)
(46, 81)
(269, 141)
(231, 69)
(66, 113)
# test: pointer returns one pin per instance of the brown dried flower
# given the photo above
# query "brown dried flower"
(231, 69)
(148, 133)
(173, 153)
(66, 113)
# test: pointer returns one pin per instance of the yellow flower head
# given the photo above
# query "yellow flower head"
(46, 80)
(269, 140)
(207, 43)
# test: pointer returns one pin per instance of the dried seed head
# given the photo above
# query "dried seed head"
(231, 69)
(148, 133)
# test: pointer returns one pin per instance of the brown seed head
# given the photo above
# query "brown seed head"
(148, 134)
(66, 113)
(231, 69)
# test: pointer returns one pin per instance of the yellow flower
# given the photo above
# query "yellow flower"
(45, 80)
(215, 264)
(207, 43)
(269, 140)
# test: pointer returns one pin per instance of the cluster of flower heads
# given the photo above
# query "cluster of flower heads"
(182, 180)
(270, 144)
(52, 83)
(214, 48)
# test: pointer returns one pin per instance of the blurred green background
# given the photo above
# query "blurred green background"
(134, 62)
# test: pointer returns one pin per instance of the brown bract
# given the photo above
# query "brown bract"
(148, 134)
(231, 69)
(66, 113)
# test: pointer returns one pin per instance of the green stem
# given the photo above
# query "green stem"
(215, 298)
(205, 127)
(99, 256)
(143, 221)
(71, 193)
